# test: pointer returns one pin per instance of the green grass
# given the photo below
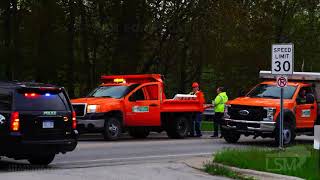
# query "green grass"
(207, 126)
(223, 171)
(299, 161)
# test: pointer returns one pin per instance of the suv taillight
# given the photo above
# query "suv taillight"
(74, 120)
(15, 122)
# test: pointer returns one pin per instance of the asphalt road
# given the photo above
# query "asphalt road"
(152, 158)
(93, 151)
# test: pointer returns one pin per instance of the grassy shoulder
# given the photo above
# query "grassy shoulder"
(217, 170)
(206, 126)
(299, 161)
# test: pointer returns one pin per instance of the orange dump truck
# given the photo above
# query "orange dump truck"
(137, 104)
(257, 113)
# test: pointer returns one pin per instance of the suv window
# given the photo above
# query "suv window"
(5, 100)
(41, 102)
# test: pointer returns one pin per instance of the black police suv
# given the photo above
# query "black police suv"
(36, 122)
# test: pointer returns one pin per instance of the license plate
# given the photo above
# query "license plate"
(47, 124)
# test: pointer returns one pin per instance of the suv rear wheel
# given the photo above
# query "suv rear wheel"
(112, 129)
(41, 159)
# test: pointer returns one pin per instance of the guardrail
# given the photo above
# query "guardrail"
(208, 113)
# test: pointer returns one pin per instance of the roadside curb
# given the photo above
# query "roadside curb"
(198, 163)
(207, 132)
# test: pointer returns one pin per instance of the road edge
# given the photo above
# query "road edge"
(198, 163)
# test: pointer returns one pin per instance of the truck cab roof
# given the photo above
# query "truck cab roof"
(290, 83)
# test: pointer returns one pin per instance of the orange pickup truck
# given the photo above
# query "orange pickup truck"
(137, 104)
(257, 113)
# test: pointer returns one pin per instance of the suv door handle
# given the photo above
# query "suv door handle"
(153, 105)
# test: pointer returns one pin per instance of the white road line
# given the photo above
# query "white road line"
(133, 158)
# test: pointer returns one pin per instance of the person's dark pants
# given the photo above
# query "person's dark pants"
(217, 123)
(196, 125)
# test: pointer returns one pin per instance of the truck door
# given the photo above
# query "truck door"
(306, 110)
(143, 106)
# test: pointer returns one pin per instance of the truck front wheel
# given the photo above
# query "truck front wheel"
(230, 136)
(178, 128)
(112, 129)
(289, 134)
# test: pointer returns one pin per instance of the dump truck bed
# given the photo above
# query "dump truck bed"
(171, 105)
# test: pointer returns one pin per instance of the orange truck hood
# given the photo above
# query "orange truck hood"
(262, 102)
(106, 104)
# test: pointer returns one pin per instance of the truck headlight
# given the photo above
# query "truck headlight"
(226, 111)
(270, 114)
(92, 108)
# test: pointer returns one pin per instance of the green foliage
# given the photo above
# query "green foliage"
(207, 126)
(299, 161)
(217, 43)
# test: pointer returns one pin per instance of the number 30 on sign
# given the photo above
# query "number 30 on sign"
(282, 59)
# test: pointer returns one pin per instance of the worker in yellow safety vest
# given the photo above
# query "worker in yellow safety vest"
(219, 105)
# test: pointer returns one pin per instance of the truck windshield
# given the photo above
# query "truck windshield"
(110, 91)
(271, 92)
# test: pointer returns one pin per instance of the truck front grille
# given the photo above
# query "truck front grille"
(249, 113)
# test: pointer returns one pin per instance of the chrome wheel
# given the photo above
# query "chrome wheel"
(113, 129)
(287, 136)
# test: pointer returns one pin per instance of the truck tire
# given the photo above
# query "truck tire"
(112, 129)
(43, 160)
(178, 128)
(139, 132)
(289, 133)
(230, 136)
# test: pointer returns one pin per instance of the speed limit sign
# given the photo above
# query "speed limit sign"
(282, 59)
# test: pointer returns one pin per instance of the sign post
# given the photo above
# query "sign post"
(317, 141)
(282, 65)
(317, 137)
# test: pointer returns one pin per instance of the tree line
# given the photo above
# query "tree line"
(214, 42)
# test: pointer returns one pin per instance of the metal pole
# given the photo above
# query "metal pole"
(281, 120)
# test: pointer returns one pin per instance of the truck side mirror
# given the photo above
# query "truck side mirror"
(310, 99)
(241, 93)
(132, 98)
